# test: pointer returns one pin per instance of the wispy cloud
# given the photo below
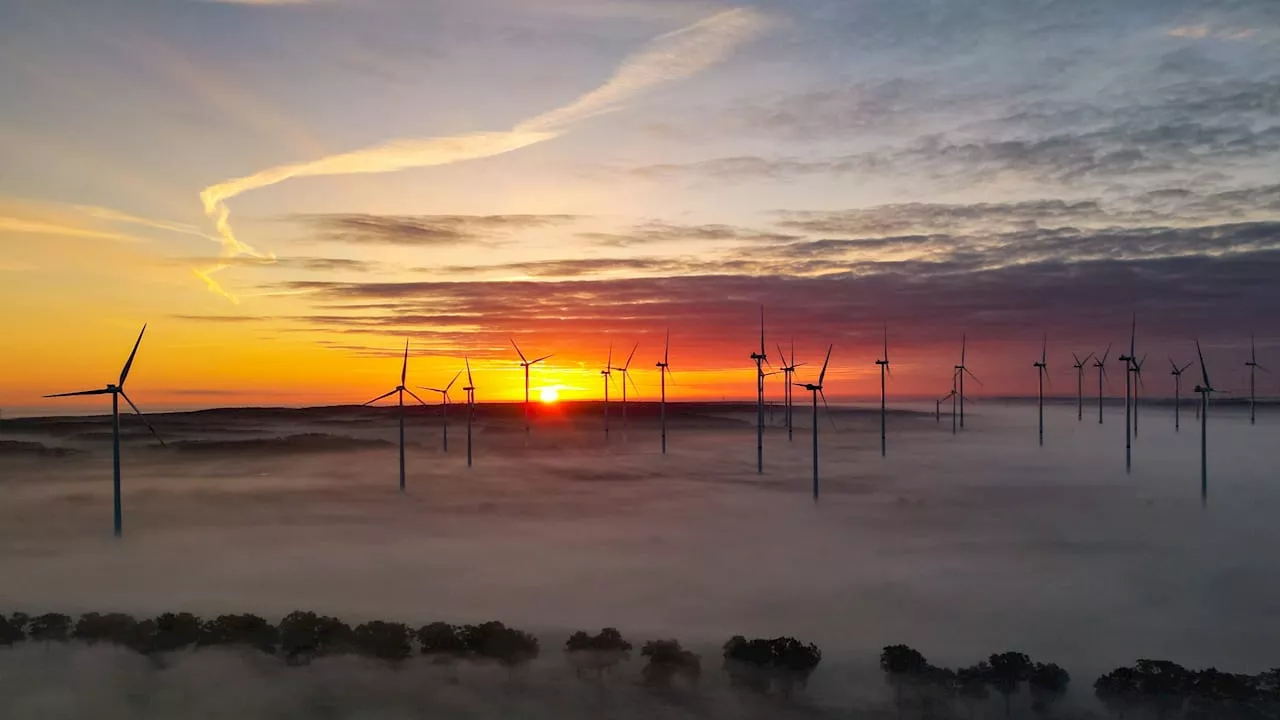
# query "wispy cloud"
(667, 58)
(422, 230)
(1206, 31)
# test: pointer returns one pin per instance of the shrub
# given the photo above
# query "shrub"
(50, 627)
(761, 664)
(667, 661)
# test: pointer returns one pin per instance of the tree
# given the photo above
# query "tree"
(668, 661)
(1008, 671)
(495, 641)
(1163, 686)
(239, 630)
(442, 640)
(903, 667)
(1118, 691)
(50, 627)
(115, 628)
(1048, 684)
(600, 653)
(971, 686)
(761, 664)
(1215, 694)
(11, 632)
(383, 640)
(305, 635)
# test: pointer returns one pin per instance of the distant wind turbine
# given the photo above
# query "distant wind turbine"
(760, 359)
(1079, 366)
(606, 375)
(938, 408)
(1042, 374)
(789, 367)
(1206, 389)
(1253, 366)
(1128, 397)
(1176, 372)
(626, 377)
(444, 398)
(884, 371)
(1138, 384)
(525, 363)
(399, 391)
(470, 389)
(664, 368)
(961, 371)
(816, 389)
(116, 391)
(1101, 364)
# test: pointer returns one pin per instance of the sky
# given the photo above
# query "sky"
(287, 191)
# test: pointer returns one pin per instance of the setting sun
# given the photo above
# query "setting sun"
(549, 395)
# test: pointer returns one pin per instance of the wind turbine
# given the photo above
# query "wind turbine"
(1042, 373)
(626, 375)
(1102, 375)
(1128, 404)
(961, 371)
(470, 389)
(399, 391)
(1253, 366)
(444, 397)
(788, 369)
(884, 371)
(1137, 385)
(1205, 390)
(1079, 366)
(937, 410)
(1176, 372)
(116, 391)
(760, 359)
(607, 374)
(525, 363)
(664, 368)
(816, 389)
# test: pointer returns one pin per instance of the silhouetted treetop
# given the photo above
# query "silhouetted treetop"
(902, 660)
(240, 630)
(607, 639)
(383, 640)
(50, 627)
(667, 660)
(442, 639)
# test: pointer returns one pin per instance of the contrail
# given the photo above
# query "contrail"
(668, 57)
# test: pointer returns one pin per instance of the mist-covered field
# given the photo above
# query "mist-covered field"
(957, 545)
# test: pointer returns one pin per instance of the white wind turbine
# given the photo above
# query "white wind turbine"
(1253, 367)
(789, 367)
(626, 377)
(116, 392)
(884, 371)
(1176, 372)
(1079, 366)
(1206, 389)
(816, 389)
(1042, 371)
(525, 363)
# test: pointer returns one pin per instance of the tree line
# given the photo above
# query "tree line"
(779, 666)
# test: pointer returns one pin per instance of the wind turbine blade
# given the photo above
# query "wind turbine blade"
(823, 374)
(629, 357)
(627, 375)
(975, 377)
(1077, 359)
(827, 407)
(1133, 334)
(762, 329)
(1204, 371)
(1263, 369)
(888, 371)
(517, 347)
(608, 363)
(886, 345)
(964, 344)
(404, 369)
(384, 395)
(1106, 355)
(143, 419)
(467, 360)
(451, 382)
(666, 348)
(1184, 367)
(420, 400)
(1044, 350)
(1174, 365)
(544, 357)
(104, 391)
(1048, 380)
(782, 355)
(1253, 350)
(129, 363)
(434, 390)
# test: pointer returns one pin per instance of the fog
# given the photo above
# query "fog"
(958, 545)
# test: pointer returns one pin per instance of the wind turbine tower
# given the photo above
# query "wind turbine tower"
(116, 392)
(1206, 389)
(526, 363)
(626, 376)
(1128, 398)
(470, 389)
(1042, 373)
(1079, 366)
(1101, 364)
(606, 375)
(760, 359)
(1253, 367)
(961, 371)
(399, 391)
(1176, 372)
(664, 367)
(816, 389)
(444, 398)
(884, 372)
(788, 370)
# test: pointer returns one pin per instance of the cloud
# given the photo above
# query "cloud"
(660, 232)
(667, 58)
(263, 2)
(424, 230)
(1204, 30)
(314, 264)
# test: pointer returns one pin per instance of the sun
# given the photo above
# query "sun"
(549, 395)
